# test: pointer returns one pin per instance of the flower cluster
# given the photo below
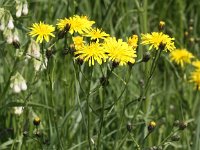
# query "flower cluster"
(183, 57)
(92, 44)
(18, 83)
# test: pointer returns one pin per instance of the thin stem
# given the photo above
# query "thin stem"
(137, 145)
(88, 109)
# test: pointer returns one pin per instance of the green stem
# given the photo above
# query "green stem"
(88, 108)
(137, 145)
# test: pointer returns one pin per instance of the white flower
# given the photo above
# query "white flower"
(33, 50)
(10, 24)
(16, 38)
(18, 83)
(18, 13)
(23, 86)
(10, 39)
(25, 9)
(16, 88)
(18, 110)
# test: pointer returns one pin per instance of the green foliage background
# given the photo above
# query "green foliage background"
(63, 111)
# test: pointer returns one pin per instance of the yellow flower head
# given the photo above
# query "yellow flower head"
(91, 53)
(132, 41)
(96, 34)
(181, 57)
(77, 23)
(119, 51)
(157, 40)
(42, 31)
(196, 64)
(195, 78)
(78, 42)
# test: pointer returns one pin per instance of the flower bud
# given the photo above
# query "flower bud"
(182, 125)
(10, 24)
(25, 9)
(175, 138)
(161, 26)
(129, 127)
(151, 126)
(146, 57)
(36, 121)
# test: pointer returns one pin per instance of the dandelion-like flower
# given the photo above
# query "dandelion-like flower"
(195, 78)
(158, 40)
(133, 41)
(91, 53)
(77, 23)
(119, 51)
(196, 64)
(96, 34)
(42, 31)
(181, 57)
(78, 42)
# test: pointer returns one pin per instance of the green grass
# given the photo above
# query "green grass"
(66, 95)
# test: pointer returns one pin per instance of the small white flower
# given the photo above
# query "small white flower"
(16, 38)
(25, 9)
(16, 88)
(10, 39)
(18, 13)
(23, 86)
(18, 110)
(10, 24)
(18, 83)
(33, 50)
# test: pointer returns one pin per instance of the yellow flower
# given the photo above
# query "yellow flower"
(96, 34)
(78, 42)
(77, 23)
(119, 51)
(91, 53)
(132, 41)
(42, 31)
(181, 57)
(196, 64)
(158, 40)
(195, 78)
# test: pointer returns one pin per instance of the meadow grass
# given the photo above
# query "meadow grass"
(75, 109)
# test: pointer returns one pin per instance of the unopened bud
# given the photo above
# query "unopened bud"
(182, 125)
(146, 57)
(161, 26)
(151, 126)
(36, 121)
(175, 138)
(129, 127)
